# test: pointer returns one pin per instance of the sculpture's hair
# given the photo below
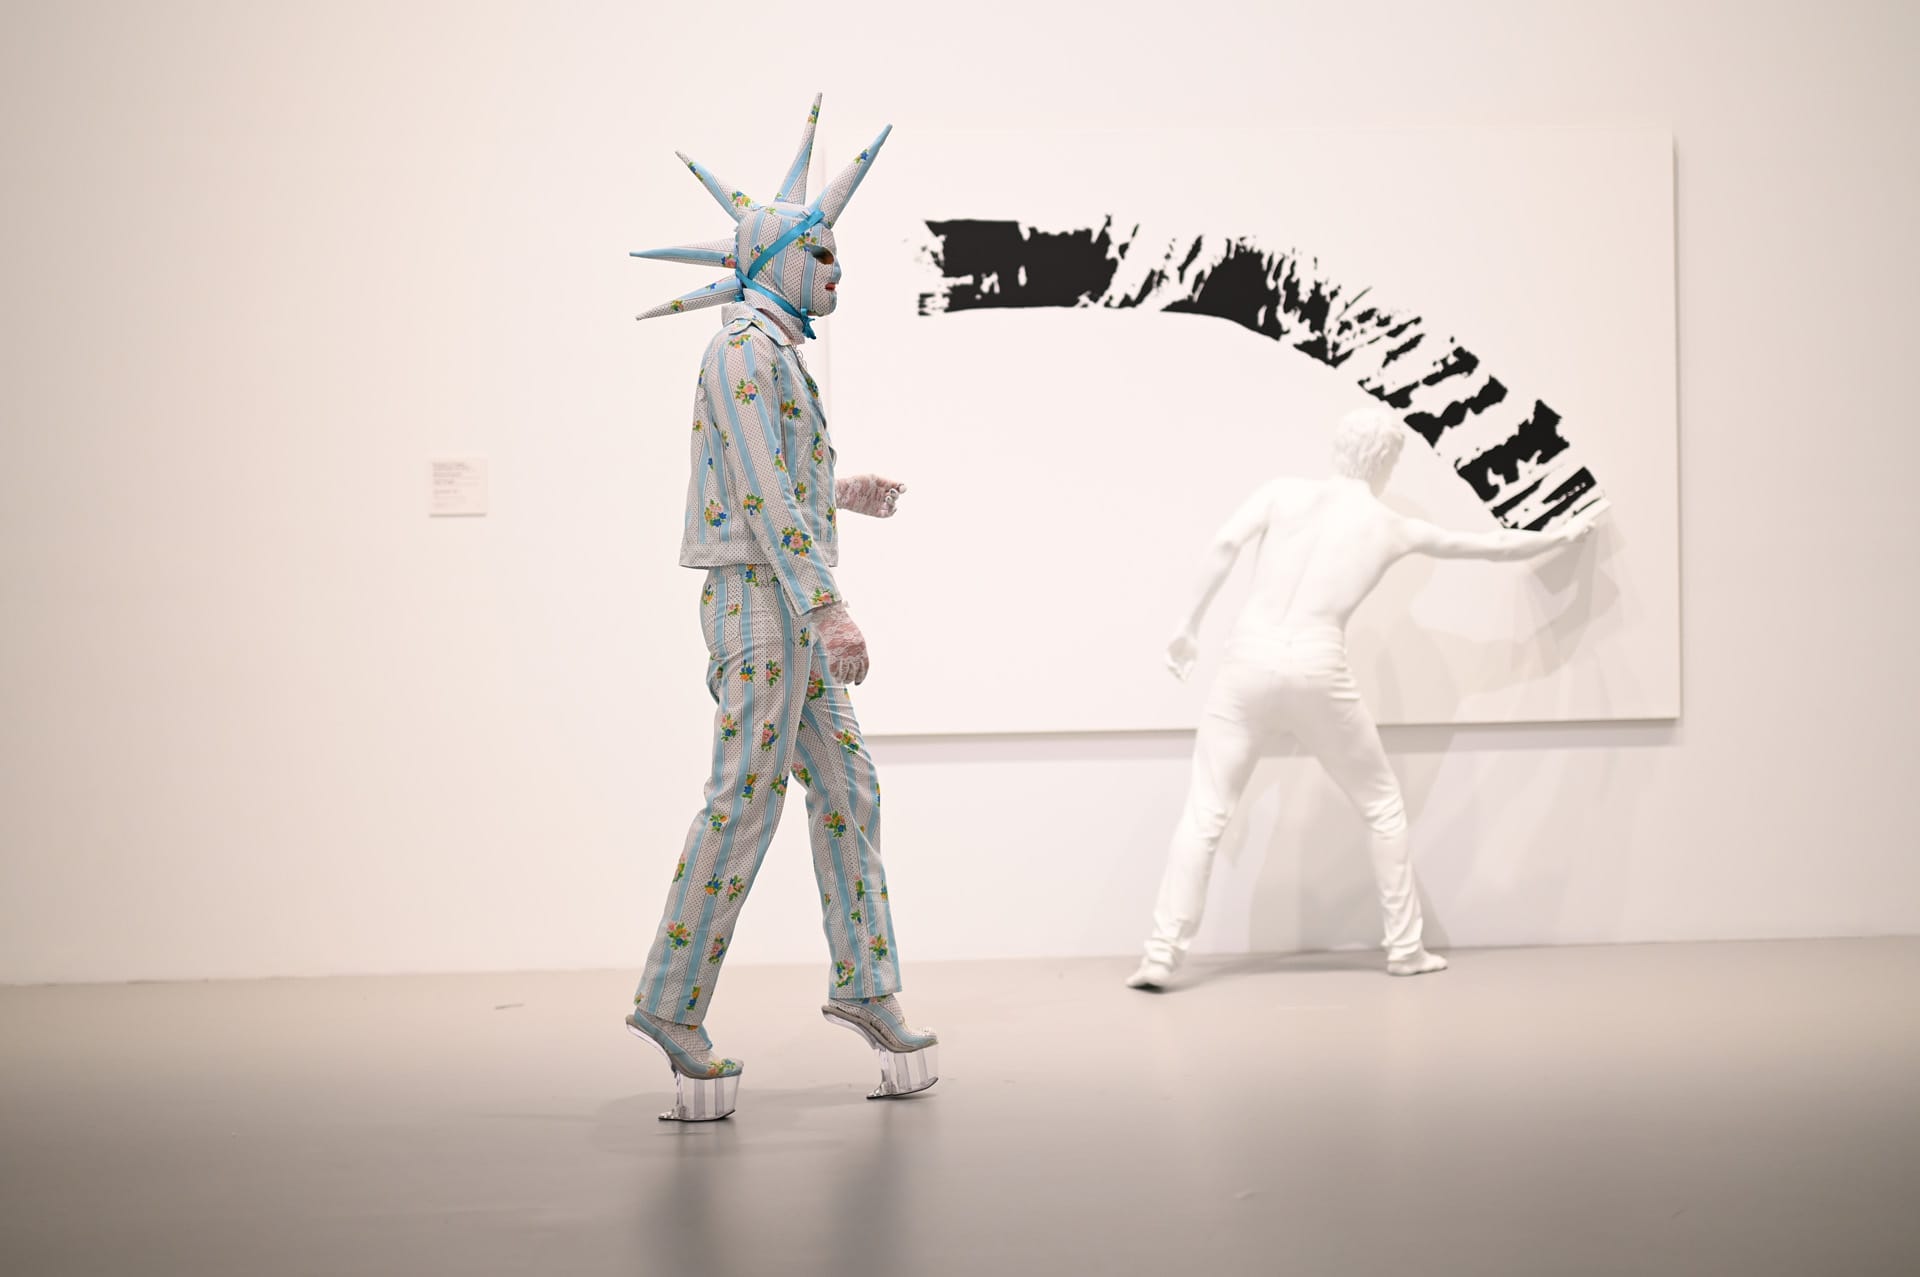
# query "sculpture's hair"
(1366, 443)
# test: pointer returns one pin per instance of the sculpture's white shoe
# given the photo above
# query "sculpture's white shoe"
(909, 1057)
(1151, 975)
(1421, 963)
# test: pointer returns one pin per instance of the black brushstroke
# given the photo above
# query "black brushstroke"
(1457, 363)
(1501, 511)
(1430, 426)
(1001, 264)
(1154, 280)
(984, 261)
(1239, 288)
(1397, 351)
(1536, 439)
(1566, 498)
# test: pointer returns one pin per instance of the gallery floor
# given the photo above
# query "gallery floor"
(1697, 1109)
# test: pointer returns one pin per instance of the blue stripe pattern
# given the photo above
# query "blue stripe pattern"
(768, 497)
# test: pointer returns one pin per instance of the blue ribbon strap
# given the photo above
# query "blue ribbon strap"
(773, 250)
(806, 328)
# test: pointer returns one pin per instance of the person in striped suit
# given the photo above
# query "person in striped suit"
(762, 521)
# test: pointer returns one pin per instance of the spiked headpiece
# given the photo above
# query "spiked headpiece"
(773, 238)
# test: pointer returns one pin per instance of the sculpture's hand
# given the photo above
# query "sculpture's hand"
(846, 645)
(1574, 533)
(1181, 654)
(869, 494)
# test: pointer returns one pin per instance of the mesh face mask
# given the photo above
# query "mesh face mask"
(781, 251)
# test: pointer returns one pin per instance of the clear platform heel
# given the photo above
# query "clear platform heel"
(701, 1093)
(909, 1058)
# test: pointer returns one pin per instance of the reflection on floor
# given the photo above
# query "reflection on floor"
(1750, 1108)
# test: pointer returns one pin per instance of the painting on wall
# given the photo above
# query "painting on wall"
(1083, 350)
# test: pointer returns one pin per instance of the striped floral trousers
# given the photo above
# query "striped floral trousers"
(776, 720)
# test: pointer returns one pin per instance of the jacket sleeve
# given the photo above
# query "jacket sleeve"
(744, 381)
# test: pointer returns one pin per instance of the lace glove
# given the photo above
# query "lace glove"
(846, 645)
(868, 494)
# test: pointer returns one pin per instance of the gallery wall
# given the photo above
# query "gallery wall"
(260, 715)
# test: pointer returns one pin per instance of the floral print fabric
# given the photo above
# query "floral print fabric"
(762, 486)
(776, 720)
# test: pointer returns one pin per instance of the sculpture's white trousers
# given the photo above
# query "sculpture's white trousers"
(1293, 684)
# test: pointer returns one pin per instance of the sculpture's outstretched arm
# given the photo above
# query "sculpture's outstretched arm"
(1508, 543)
(1248, 522)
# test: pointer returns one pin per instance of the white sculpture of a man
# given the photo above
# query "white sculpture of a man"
(1323, 545)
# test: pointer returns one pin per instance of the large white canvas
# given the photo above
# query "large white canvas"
(1068, 466)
